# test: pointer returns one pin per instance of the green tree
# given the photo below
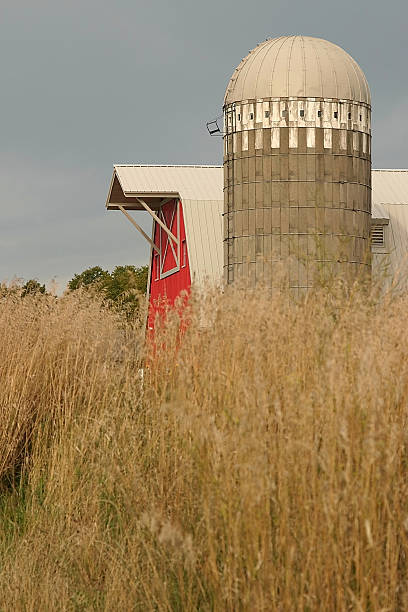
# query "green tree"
(88, 277)
(32, 287)
(122, 288)
(124, 279)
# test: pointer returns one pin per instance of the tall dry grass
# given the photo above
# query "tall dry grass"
(260, 463)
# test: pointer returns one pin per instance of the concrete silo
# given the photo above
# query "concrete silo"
(297, 165)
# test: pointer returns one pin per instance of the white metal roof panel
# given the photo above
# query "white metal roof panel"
(390, 186)
(190, 182)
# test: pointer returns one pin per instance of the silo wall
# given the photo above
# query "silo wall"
(297, 191)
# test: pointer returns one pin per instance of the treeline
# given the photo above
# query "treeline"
(122, 289)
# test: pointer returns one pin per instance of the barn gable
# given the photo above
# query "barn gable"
(186, 206)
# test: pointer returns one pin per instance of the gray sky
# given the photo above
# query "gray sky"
(89, 83)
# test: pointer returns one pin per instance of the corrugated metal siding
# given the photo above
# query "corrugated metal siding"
(391, 265)
(203, 221)
(191, 182)
(390, 200)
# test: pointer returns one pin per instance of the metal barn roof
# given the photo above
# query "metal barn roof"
(390, 186)
(200, 188)
(156, 182)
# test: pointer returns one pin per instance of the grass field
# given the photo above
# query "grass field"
(260, 462)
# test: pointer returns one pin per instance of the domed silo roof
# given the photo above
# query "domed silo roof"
(298, 66)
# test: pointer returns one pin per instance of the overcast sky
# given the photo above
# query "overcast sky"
(89, 83)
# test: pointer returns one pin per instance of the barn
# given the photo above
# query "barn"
(186, 207)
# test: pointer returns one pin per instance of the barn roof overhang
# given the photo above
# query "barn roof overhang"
(130, 199)
(125, 199)
(155, 183)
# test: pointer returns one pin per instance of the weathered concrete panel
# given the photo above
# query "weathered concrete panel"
(297, 191)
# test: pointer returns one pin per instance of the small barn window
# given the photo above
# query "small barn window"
(319, 113)
(336, 114)
(377, 235)
(251, 116)
(266, 114)
(283, 113)
(239, 116)
(302, 113)
(349, 115)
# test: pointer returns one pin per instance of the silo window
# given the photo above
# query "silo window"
(251, 116)
(377, 235)
(302, 113)
(336, 114)
(319, 113)
(266, 114)
(349, 115)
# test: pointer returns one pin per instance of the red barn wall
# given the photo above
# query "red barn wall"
(170, 271)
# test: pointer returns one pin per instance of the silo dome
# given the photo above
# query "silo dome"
(298, 66)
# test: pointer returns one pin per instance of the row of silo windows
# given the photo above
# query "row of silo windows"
(301, 114)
